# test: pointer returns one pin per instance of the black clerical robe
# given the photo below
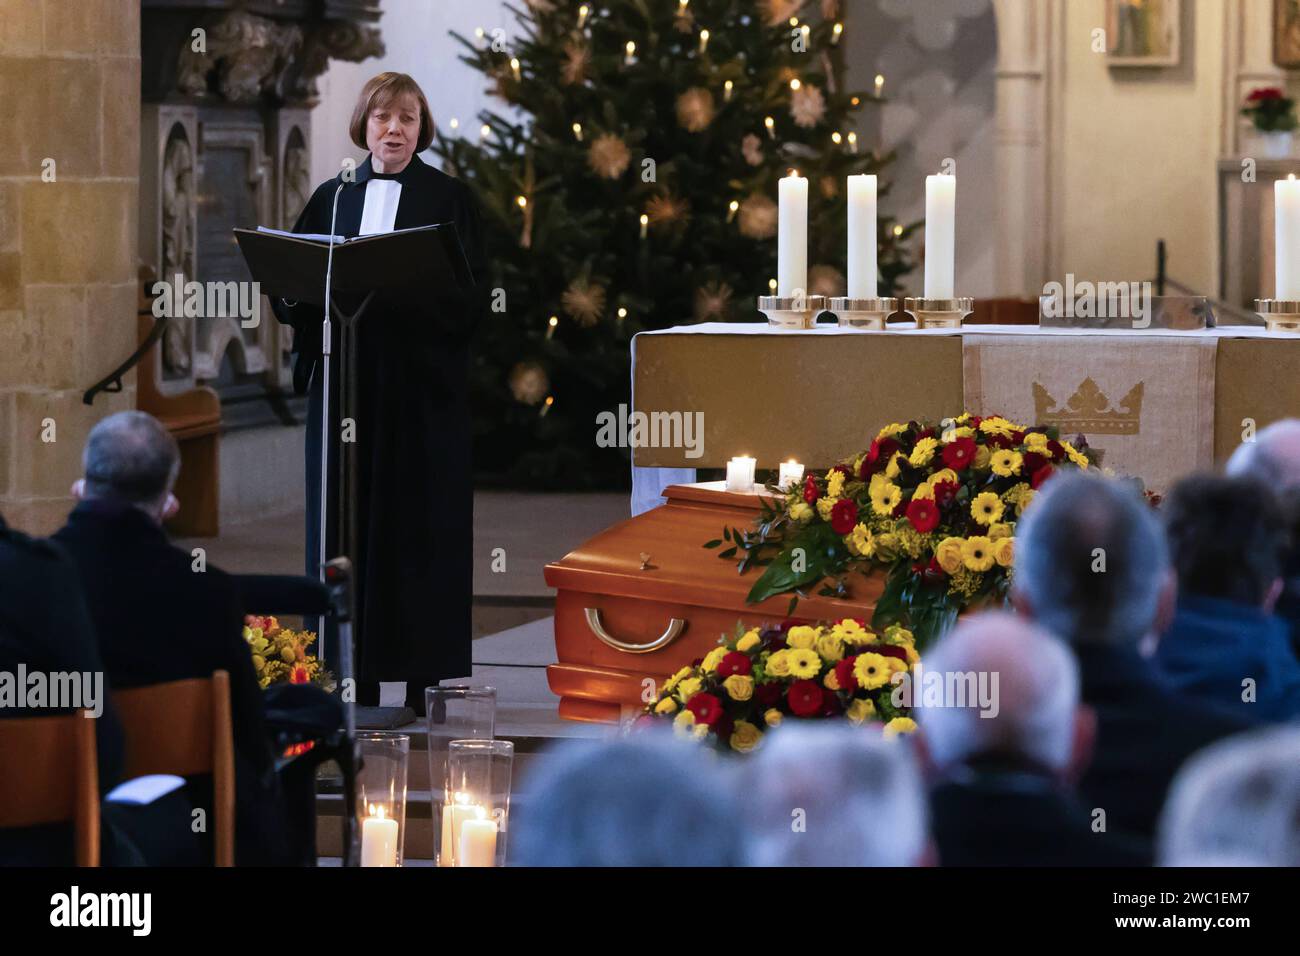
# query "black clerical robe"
(412, 435)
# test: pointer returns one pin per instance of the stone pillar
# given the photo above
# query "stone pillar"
(70, 115)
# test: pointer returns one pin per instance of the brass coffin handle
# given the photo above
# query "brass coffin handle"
(675, 627)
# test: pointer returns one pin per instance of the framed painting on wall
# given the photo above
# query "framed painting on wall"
(1286, 33)
(1142, 33)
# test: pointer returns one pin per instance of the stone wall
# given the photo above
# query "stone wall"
(70, 116)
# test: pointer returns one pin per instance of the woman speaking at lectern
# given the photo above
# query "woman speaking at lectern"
(413, 495)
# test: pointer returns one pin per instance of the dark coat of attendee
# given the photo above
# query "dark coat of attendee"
(1214, 646)
(159, 618)
(1145, 731)
(45, 627)
(1005, 812)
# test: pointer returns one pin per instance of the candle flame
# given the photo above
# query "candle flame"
(552, 322)
(795, 84)
(794, 173)
(523, 201)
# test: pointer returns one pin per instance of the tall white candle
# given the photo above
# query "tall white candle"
(1286, 238)
(940, 235)
(740, 474)
(478, 843)
(792, 237)
(454, 816)
(379, 840)
(862, 237)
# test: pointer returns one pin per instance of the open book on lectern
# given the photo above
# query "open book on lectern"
(406, 265)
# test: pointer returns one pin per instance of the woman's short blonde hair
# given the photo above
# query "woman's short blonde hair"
(381, 91)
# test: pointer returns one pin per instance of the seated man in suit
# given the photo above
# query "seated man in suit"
(1092, 567)
(163, 615)
(1006, 760)
(45, 628)
(1274, 458)
(1225, 645)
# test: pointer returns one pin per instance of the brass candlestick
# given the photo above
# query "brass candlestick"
(1279, 315)
(939, 313)
(792, 312)
(868, 313)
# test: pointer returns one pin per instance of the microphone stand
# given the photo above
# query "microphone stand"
(327, 337)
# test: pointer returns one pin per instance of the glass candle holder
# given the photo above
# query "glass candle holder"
(456, 712)
(381, 796)
(478, 779)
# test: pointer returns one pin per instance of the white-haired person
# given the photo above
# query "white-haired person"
(1006, 743)
(831, 794)
(1237, 803)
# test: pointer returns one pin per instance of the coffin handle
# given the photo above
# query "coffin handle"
(675, 627)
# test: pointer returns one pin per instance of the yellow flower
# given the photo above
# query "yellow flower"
(830, 646)
(981, 459)
(699, 731)
(739, 686)
(683, 722)
(805, 663)
(850, 632)
(885, 498)
(949, 554)
(834, 483)
(1025, 500)
(997, 426)
(1036, 441)
(893, 469)
(772, 717)
(872, 670)
(288, 655)
(1073, 454)
(861, 710)
(259, 662)
(889, 431)
(923, 492)
(898, 634)
(952, 434)
(977, 553)
(1006, 462)
(944, 475)
(748, 641)
(666, 706)
(1000, 529)
(860, 541)
(713, 659)
(677, 678)
(801, 636)
(830, 681)
(745, 736)
(801, 511)
(1004, 551)
(986, 508)
(778, 665)
(825, 506)
(689, 688)
(900, 725)
(923, 452)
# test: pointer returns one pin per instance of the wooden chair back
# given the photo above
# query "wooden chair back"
(52, 776)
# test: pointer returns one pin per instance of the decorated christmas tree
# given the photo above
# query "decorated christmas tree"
(633, 186)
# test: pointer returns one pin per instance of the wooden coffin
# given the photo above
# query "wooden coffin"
(617, 623)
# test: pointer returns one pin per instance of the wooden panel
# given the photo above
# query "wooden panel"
(1255, 378)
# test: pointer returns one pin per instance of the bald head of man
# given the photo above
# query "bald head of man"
(1273, 456)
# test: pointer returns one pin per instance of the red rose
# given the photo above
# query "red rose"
(944, 493)
(831, 705)
(844, 515)
(877, 456)
(844, 674)
(705, 707)
(734, 663)
(887, 650)
(844, 470)
(1033, 461)
(1264, 93)
(928, 433)
(1040, 476)
(805, 698)
(769, 694)
(1055, 450)
(923, 514)
(810, 492)
(790, 622)
(723, 726)
(959, 453)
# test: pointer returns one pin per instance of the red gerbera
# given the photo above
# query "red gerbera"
(844, 515)
(844, 674)
(705, 707)
(944, 493)
(923, 514)
(1040, 476)
(959, 453)
(805, 698)
(810, 492)
(882, 449)
(734, 663)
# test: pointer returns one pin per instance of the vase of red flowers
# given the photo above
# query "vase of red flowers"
(1272, 115)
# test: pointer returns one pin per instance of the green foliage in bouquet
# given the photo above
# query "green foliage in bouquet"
(629, 182)
(932, 506)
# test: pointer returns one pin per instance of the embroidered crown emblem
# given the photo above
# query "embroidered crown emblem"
(1089, 410)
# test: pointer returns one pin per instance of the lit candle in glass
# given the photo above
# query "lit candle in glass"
(454, 817)
(378, 839)
(791, 473)
(478, 843)
(740, 474)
